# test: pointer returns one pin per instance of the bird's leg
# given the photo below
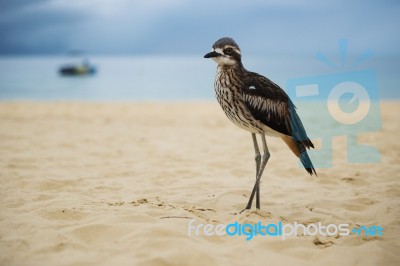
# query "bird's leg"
(260, 171)
(258, 161)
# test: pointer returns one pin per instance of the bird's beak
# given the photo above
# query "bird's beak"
(212, 54)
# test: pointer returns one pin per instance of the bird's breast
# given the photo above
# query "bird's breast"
(228, 93)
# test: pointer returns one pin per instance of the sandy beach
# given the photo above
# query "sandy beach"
(118, 183)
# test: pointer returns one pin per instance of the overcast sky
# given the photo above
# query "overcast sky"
(190, 27)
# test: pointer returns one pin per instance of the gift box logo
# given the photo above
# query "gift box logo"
(343, 103)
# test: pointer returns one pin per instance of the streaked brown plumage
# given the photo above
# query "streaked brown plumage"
(258, 105)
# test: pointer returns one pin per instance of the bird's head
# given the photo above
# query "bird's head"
(225, 52)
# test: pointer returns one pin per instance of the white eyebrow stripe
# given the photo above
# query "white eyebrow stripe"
(219, 50)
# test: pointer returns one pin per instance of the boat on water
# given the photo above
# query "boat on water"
(77, 69)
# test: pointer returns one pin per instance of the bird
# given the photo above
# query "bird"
(259, 106)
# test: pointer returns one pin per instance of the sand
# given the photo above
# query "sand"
(117, 184)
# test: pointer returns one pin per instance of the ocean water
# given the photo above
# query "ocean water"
(124, 78)
(154, 78)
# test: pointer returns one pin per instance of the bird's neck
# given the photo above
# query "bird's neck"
(237, 66)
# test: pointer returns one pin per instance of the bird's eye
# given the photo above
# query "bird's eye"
(228, 51)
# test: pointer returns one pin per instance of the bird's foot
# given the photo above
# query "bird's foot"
(257, 211)
(245, 209)
(248, 208)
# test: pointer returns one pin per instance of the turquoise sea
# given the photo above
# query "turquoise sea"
(124, 78)
(155, 78)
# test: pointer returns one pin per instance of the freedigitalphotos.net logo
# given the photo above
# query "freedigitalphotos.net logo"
(343, 103)
(283, 231)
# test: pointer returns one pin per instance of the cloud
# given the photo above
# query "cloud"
(178, 26)
(37, 27)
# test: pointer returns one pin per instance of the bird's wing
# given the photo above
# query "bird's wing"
(270, 104)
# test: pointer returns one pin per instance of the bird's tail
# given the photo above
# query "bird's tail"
(299, 149)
